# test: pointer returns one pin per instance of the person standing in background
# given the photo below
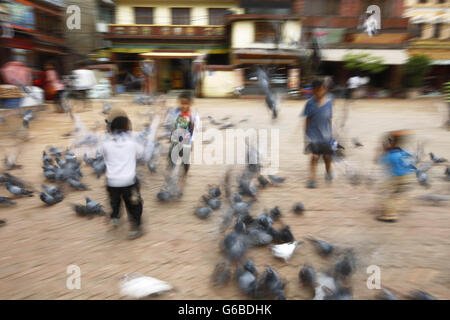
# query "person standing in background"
(53, 86)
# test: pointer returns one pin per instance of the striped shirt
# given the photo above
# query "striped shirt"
(447, 91)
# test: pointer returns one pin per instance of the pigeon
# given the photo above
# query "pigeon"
(298, 208)
(385, 294)
(49, 199)
(6, 200)
(258, 237)
(247, 282)
(435, 199)
(263, 221)
(447, 174)
(10, 163)
(50, 175)
(99, 167)
(422, 178)
(356, 143)
(263, 181)
(283, 235)
(2, 222)
(203, 212)
(106, 108)
(88, 160)
(284, 251)
(237, 198)
(18, 191)
(437, 159)
(420, 295)
(215, 192)
(345, 267)
(55, 152)
(213, 203)
(226, 126)
(163, 196)
(276, 179)
(324, 248)
(46, 159)
(243, 120)
(94, 206)
(241, 207)
(221, 274)
(138, 286)
(325, 285)
(51, 190)
(342, 293)
(13, 180)
(270, 285)
(76, 184)
(307, 275)
(275, 213)
(235, 243)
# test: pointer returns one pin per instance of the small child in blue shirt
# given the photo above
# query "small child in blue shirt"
(399, 165)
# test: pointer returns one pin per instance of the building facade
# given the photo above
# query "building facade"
(34, 33)
(338, 26)
(173, 34)
(266, 34)
(430, 22)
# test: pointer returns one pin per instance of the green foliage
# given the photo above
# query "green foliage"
(364, 62)
(416, 68)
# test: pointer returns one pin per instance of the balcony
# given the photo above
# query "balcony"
(166, 32)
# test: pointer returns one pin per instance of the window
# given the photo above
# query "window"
(143, 15)
(322, 7)
(181, 16)
(267, 32)
(385, 6)
(216, 16)
(437, 30)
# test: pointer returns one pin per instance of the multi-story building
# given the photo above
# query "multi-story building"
(172, 34)
(430, 21)
(267, 33)
(336, 24)
(37, 32)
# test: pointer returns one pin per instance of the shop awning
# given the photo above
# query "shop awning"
(389, 56)
(173, 55)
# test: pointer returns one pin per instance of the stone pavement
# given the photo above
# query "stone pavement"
(38, 243)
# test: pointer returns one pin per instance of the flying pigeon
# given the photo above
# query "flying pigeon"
(324, 248)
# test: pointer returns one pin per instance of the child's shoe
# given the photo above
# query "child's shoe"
(311, 184)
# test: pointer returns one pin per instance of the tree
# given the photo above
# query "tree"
(416, 68)
(364, 62)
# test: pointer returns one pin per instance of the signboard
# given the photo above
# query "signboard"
(293, 79)
(328, 35)
(58, 3)
(20, 15)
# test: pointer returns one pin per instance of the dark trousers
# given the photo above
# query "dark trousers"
(133, 202)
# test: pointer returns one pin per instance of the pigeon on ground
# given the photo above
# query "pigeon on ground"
(307, 276)
(226, 126)
(76, 184)
(258, 237)
(275, 213)
(263, 181)
(385, 294)
(422, 178)
(10, 163)
(214, 192)
(285, 251)
(247, 281)
(342, 293)
(298, 208)
(420, 295)
(203, 212)
(344, 268)
(325, 285)
(13, 180)
(18, 191)
(94, 207)
(50, 199)
(237, 198)
(138, 286)
(55, 152)
(437, 159)
(241, 207)
(235, 244)
(2, 222)
(323, 248)
(271, 286)
(163, 196)
(283, 235)
(6, 200)
(263, 221)
(51, 190)
(46, 159)
(447, 174)
(221, 274)
(212, 202)
(276, 179)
